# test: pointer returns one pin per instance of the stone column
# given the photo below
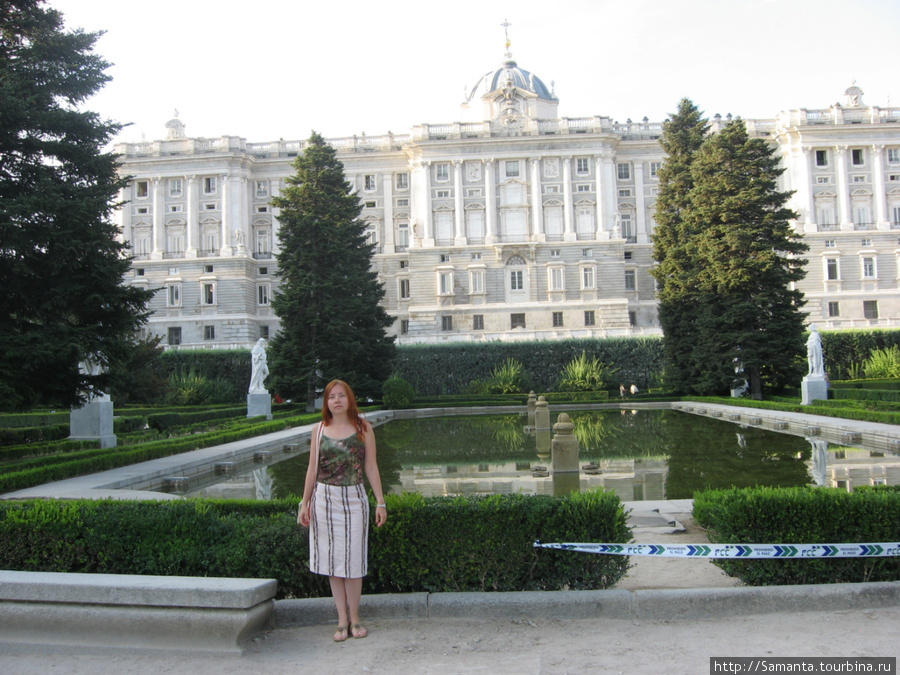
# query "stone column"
(159, 224)
(193, 243)
(276, 223)
(568, 225)
(606, 196)
(459, 214)
(643, 236)
(843, 192)
(537, 201)
(490, 203)
(881, 217)
(225, 248)
(387, 239)
(427, 212)
(530, 408)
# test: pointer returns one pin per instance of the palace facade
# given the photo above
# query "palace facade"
(523, 226)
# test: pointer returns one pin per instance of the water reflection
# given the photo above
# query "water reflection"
(640, 455)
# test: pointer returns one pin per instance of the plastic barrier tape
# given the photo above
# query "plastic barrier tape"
(745, 551)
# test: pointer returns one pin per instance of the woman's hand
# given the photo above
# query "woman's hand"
(303, 515)
(380, 515)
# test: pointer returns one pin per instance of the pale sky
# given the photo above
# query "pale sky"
(265, 70)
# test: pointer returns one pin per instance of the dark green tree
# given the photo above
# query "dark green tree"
(683, 134)
(332, 322)
(747, 256)
(61, 265)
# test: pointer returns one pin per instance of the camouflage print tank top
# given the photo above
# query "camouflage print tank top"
(341, 461)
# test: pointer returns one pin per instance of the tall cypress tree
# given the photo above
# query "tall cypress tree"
(679, 311)
(61, 266)
(746, 256)
(332, 322)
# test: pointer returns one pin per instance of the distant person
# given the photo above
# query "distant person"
(634, 389)
(335, 506)
(622, 390)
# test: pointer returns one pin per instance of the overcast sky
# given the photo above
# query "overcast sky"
(270, 69)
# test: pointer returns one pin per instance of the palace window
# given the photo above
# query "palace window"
(142, 189)
(209, 332)
(629, 280)
(369, 182)
(589, 318)
(557, 319)
(209, 185)
(173, 295)
(587, 278)
(517, 321)
(478, 322)
(832, 269)
(623, 171)
(858, 156)
(821, 158)
(446, 323)
(442, 172)
(404, 289)
(402, 182)
(870, 309)
(582, 166)
(175, 335)
(512, 168)
(557, 278)
(262, 294)
(175, 187)
(834, 309)
(476, 282)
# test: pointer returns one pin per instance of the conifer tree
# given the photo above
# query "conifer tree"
(61, 266)
(745, 256)
(332, 322)
(683, 134)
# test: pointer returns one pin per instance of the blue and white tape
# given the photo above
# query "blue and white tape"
(742, 551)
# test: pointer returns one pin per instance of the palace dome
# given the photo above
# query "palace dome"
(510, 73)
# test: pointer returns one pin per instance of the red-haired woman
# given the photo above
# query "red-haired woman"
(335, 506)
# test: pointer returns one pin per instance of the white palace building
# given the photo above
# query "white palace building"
(525, 225)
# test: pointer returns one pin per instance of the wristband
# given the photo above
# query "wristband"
(381, 506)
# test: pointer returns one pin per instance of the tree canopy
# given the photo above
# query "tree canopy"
(332, 322)
(728, 258)
(61, 264)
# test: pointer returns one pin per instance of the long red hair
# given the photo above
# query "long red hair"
(352, 410)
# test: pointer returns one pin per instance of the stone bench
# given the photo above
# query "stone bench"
(205, 614)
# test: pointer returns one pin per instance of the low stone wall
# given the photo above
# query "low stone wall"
(205, 614)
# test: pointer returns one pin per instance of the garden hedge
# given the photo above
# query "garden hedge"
(428, 544)
(805, 515)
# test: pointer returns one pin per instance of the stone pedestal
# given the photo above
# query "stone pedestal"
(259, 403)
(530, 408)
(541, 414)
(812, 388)
(564, 448)
(93, 422)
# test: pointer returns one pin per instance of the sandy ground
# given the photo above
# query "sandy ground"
(540, 646)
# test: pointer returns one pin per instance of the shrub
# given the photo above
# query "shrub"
(464, 544)
(586, 374)
(883, 363)
(802, 516)
(192, 388)
(397, 393)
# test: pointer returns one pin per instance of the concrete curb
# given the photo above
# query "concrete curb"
(648, 605)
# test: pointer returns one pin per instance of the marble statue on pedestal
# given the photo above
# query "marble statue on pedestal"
(260, 369)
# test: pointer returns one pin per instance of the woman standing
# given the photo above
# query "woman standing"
(335, 506)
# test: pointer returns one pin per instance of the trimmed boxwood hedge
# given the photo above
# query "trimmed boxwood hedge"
(428, 544)
(805, 515)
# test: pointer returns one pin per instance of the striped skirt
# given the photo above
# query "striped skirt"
(339, 531)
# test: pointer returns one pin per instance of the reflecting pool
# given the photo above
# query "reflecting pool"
(639, 454)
